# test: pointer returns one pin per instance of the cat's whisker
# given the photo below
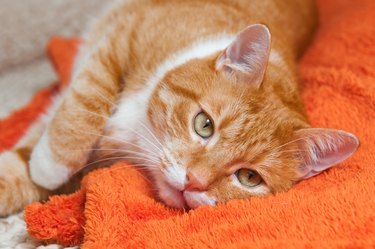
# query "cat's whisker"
(140, 158)
(140, 135)
(96, 114)
(147, 140)
(121, 141)
(93, 113)
(105, 98)
(284, 151)
(115, 151)
(150, 166)
(140, 167)
(151, 133)
(143, 158)
(125, 158)
(144, 126)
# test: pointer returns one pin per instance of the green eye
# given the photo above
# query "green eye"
(248, 177)
(203, 125)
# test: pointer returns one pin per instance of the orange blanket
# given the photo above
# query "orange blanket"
(115, 208)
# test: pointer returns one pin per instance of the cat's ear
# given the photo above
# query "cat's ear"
(321, 149)
(247, 56)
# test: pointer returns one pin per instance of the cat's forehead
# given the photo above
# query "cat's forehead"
(197, 86)
(201, 78)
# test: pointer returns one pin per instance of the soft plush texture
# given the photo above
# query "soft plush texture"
(115, 207)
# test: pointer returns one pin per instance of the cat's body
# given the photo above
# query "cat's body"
(193, 91)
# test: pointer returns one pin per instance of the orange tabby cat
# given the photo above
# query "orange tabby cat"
(202, 94)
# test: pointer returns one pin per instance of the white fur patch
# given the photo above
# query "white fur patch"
(199, 49)
(175, 173)
(44, 170)
(275, 57)
(195, 199)
(131, 111)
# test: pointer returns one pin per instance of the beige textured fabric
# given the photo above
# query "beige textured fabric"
(26, 25)
(18, 84)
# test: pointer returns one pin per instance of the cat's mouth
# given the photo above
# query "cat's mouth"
(185, 199)
(172, 197)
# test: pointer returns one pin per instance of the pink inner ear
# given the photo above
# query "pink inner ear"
(324, 148)
(247, 56)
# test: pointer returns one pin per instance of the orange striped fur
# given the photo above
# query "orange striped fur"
(149, 67)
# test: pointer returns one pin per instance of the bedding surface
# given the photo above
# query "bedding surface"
(115, 207)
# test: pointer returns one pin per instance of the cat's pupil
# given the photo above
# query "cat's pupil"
(248, 177)
(251, 175)
(207, 124)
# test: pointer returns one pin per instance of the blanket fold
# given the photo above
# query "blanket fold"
(115, 207)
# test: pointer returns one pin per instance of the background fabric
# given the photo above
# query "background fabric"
(26, 27)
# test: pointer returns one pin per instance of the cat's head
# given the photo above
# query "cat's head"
(229, 128)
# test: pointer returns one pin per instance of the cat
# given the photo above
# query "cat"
(201, 94)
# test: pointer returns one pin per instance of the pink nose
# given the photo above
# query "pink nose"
(193, 183)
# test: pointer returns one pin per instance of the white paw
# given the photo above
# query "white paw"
(44, 170)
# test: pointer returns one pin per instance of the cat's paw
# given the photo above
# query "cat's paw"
(16, 187)
(44, 169)
(10, 199)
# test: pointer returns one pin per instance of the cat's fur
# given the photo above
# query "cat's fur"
(147, 68)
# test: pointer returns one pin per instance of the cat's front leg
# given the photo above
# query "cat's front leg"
(80, 118)
(16, 187)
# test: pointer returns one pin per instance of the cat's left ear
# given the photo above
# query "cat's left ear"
(247, 56)
(321, 149)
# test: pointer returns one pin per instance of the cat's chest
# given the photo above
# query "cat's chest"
(130, 117)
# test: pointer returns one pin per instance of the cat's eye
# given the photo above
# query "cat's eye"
(248, 177)
(203, 125)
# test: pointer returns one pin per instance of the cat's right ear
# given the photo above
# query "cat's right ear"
(321, 149)
(247, 56)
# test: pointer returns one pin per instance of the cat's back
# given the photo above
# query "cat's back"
(167, 26)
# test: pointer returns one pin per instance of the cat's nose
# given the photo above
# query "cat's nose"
(194, 183)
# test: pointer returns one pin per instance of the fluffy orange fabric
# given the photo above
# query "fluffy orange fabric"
(115, 208)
